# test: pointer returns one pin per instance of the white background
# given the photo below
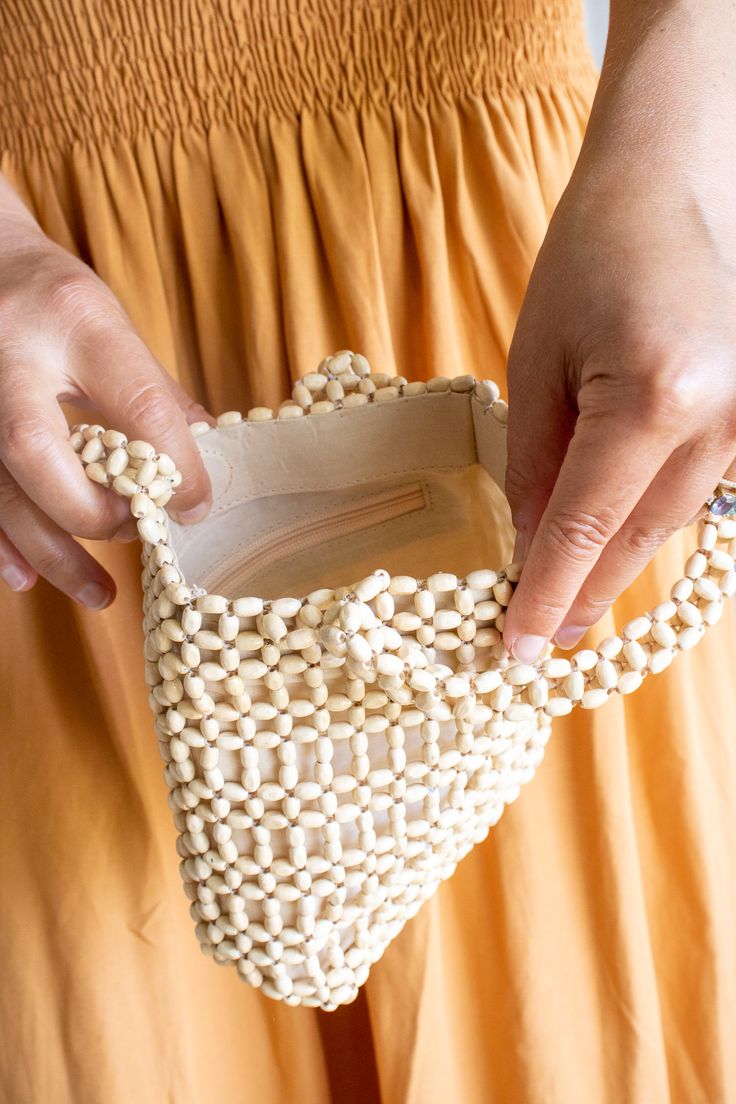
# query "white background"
(596, 20)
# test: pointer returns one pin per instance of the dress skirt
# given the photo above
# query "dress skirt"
(262, 182)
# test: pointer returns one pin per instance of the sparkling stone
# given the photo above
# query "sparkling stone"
(724, 504)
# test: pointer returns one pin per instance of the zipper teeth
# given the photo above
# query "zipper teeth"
(388, 506)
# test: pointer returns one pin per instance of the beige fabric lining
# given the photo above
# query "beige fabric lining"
(281, 477)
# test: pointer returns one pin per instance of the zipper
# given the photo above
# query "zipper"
(373, 510)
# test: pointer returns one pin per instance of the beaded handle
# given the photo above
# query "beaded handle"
(554, 684)
(133, 469)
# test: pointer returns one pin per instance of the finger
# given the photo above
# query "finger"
(141, 400)
(674, 496)
(541, 423)
(48, 550)
(608, 466)
(15, 570)
(35, 450)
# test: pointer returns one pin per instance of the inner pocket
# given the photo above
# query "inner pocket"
(296, 537)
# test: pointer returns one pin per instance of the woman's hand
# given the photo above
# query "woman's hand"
(622, 371)
(64, 337)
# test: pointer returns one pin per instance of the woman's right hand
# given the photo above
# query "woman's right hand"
(64, 337)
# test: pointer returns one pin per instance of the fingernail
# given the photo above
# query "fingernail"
(569, 635)
(527, 648)
(197, 513)
(14, 577)
(94, 596)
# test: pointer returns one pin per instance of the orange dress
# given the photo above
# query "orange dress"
(262, 182)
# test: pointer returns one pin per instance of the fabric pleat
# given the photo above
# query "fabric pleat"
(262, 182)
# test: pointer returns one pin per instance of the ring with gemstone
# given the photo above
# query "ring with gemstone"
(723, 504)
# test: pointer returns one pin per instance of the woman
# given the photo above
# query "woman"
(255, 184)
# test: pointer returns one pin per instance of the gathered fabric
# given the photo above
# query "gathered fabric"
(262, 182)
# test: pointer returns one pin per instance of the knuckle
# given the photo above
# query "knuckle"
(548, 610)
(150, 405)
(51, 562)
(668, 393)
(580, 536)
(641, 542)
(23, 436)
(9, 497)
(77, 295)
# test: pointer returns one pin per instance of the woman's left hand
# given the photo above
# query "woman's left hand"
(622, 371)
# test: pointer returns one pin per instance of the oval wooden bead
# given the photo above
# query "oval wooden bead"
(728, 584)
(727, 528)
(212, 672)
(487, 392)
(146, 473)
(247, 607)
(610, 647)
(682, 590)
(140, 450)
(212, 603)
(556, 667)
(488, 681)
(689, 614)
(585, 659)
(521, 674)
(712, 612)
(286, 607)
(402, 585)
(124, 486)
(594, 698)
(446, 619)
(141, 505)
(538, 692)
(634, 655)
(558, 707)
(629, 682)
(637, 628)
(116, 462)
(367, 589)
(707, 589)
(273, 626)
(687, 638)
(150, 531)
(664, 634)
(93, 450)
(97, 473)
(696, 565)
(112, 439)
(606, 674)
(660, 659)
(442, 582)
(720, 560)
(665, 611)
(574, 685)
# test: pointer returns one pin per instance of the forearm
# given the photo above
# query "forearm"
(667, 92)
(631, 313)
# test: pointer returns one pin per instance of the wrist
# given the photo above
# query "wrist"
(662, 131)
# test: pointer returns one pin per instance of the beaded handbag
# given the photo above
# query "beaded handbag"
(332, 752)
